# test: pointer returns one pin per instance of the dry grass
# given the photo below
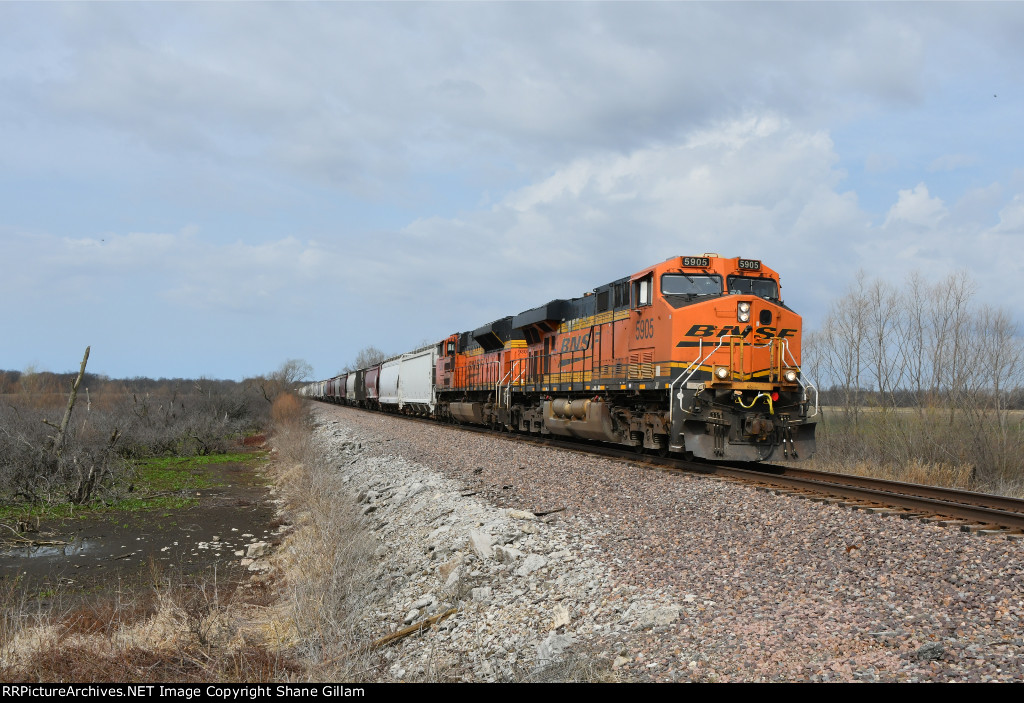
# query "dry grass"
(193, 630)
(328, 561)
(931, 447)
(289, 412)
(912, 471)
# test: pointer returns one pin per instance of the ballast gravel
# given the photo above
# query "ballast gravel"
(550, 555)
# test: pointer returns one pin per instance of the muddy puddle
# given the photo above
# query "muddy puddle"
(116, 550)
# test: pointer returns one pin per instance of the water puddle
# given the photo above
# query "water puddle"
(74, 548)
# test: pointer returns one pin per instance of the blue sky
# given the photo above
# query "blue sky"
(212, 188)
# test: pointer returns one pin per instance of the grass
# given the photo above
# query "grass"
(970, 452)
(163, 483)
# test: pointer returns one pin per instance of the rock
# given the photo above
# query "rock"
(453, 578)
(508, 537)
(411, 616)
(369, 509)
(532, 563)
(481, 594)
(507, 555)
(257, 550)
(619, 662)
(561, 614)
(886, 634)
(658, 616)
(481, 544)
(408, 492)
(425, 601)
(446, 568)
(521, 515)
(931, 651)
(552, 647)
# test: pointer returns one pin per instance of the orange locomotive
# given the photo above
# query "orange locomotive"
(696, 355)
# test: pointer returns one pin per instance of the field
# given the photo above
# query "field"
(936, 446)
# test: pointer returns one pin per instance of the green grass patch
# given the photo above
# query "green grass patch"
(167, 462)
(163, 483)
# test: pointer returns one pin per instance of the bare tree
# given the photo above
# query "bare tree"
(883, 321)
(285, 378)
(843, 339)
(367, 356)
(293, 371)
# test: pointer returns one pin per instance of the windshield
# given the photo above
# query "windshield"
(691, 284)
(761, 287)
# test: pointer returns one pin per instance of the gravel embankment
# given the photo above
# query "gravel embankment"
(664, 577)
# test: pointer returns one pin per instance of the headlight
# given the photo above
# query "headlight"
(790, 376)
(743, 312)
(722, 373)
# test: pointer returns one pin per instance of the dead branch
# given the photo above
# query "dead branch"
(59, 439)
(412, 629)
(33, 542)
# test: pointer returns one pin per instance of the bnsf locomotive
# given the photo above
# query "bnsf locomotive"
(696, 355)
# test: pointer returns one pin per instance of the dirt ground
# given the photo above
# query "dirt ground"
(118, 551)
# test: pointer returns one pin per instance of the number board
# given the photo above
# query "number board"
(749, 264)
(701, 261)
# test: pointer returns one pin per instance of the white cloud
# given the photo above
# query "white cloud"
(916, 207)
(1011, 219)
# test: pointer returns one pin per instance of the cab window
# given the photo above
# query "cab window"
(749, 285)
(642, 291)
(691, 284)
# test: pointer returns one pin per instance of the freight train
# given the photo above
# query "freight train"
(696, 355)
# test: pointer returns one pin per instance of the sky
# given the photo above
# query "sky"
(209, 189)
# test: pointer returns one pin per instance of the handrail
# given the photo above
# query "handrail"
(695, 365)
(671, 386)
(508, 387)
(799, 378)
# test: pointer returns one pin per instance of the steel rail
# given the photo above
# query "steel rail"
(987, 500)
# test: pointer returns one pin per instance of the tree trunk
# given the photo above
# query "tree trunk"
(58, 444)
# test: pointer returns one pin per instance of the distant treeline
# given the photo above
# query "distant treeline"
(12, 382)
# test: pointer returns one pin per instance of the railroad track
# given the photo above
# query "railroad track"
(980, 513)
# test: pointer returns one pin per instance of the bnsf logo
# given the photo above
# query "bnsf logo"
(578, 343)
(715, 331)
